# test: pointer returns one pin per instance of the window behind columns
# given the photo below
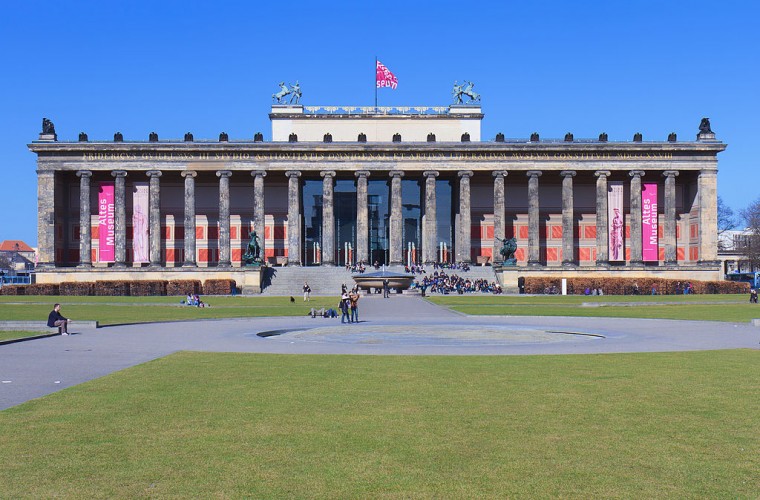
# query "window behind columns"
(445, 200)
(378, 192)
(312, 217)
(411, 213)
(344, 196)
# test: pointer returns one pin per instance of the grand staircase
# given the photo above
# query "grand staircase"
(328, 280)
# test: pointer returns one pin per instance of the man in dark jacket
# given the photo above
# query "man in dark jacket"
(56, 319)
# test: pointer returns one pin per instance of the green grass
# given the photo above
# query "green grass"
(680, 425)
(18, 334)
(120, 310)
(731, 308)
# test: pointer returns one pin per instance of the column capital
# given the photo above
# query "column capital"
(465, 173)
(327, 173)
(636, 173)
(396, 173)
(84, 173)
(533, 173)
(293, 174)
(223, 173)
(670, 173)
(362, 173)
(430, 173)
(119, 173)
(500, 173)
(602, 173)
(567, 173)
(188, 173)
(153, 173)
(259, 173)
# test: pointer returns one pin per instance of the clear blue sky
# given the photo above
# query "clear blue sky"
(653, 67)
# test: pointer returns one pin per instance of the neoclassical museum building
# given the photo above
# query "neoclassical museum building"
(387, 185)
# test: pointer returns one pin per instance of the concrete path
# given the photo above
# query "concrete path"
(398, 325)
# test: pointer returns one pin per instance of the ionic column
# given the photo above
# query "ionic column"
(636, 241)
(189, 246)
(430, 223)
(568, 236)
(155, 217)
(534, 249)
(224, 218)
(396, 250)
(259, 218)
(294, 218)
(120, 218)
(669, 235)
(328, 218)
(45, 218)
(464, 236)
(602, 236)
(498, 212)
(85, 238)
(708, 217)
(362, 216)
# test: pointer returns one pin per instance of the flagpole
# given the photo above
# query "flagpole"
(375, 84)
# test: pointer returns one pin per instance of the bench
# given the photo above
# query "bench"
(41, 326)
(483, 260)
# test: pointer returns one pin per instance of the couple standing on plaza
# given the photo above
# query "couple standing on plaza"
(349, 306)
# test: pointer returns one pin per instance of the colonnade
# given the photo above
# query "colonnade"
(707, 221)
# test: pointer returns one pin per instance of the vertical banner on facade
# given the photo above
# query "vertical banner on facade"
(140, 235)
(615, 220)
(106, 229)
(649, 222)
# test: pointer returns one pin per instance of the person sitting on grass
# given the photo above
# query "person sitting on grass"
(56, 320)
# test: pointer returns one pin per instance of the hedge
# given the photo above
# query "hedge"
(77, 289)
(183, 287)
(629, 286)
(43, 289)
(112, 288)
(147, 288)
(218, 287)
(13, 290)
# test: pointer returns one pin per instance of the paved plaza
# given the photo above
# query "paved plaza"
(395, 326)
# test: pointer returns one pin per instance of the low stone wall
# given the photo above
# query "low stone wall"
(41, 326)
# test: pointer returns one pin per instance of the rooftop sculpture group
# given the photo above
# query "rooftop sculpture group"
(466, 90)
(294, 91)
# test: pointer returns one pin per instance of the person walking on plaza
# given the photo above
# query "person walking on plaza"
(386, 289)
(56, 319)
(344, 305)
(306, 292)
(353, 298)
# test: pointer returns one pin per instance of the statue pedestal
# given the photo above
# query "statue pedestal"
(287, 109)
(705, 137)
(48, 137)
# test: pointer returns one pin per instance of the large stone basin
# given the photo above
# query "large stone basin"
(398, 281)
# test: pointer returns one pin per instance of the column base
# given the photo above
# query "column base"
(569, 264)
(189, 264)
(84, 265)
(294, 264)
(708, 263)
(636, 263)
(671, 263)
(120, 264)
(224, 264)
(534, 263)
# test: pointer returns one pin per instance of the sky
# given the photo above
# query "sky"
(551, 67)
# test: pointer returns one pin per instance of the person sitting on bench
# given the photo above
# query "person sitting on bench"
(56, 320)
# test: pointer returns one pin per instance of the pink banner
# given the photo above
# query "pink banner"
(649, 222)
(384, 77)
(106, 229)
(140, 236)
(615, 221)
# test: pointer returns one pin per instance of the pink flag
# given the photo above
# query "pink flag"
(384, 77)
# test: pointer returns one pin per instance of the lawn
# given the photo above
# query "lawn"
(732, 308)
(16, 334)
(120, 310)
(681, 425)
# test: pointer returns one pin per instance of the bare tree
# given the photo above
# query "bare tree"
(749, 245)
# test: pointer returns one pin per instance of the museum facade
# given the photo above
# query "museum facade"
(339, 185)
